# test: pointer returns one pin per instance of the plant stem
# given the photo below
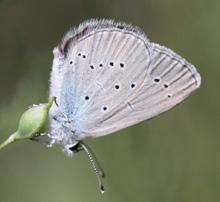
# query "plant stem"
(8, 141)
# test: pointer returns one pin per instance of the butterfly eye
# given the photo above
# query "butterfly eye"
(84, 56)
(169, 96)
(100, 65)
(79, 54)
(71, 62)
(91, 66)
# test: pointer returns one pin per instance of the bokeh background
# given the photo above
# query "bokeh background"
(174, 157)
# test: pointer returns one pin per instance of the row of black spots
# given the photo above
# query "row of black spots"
(82, 55)
(117, 86)
(91, 66)
(111, 64)
(104, 108)
(157, 80)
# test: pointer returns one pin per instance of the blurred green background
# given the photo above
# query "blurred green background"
(174, 157)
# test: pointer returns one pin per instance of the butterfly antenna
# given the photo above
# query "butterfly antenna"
(95, 165)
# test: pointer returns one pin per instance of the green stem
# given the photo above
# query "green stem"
(8, 141)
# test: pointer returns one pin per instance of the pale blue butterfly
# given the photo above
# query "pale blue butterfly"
(107, 76)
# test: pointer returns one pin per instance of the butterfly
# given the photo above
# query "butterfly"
(107, 76)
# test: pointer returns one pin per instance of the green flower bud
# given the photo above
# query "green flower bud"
(31, 123)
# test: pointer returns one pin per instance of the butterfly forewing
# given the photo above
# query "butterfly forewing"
(103, 70)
